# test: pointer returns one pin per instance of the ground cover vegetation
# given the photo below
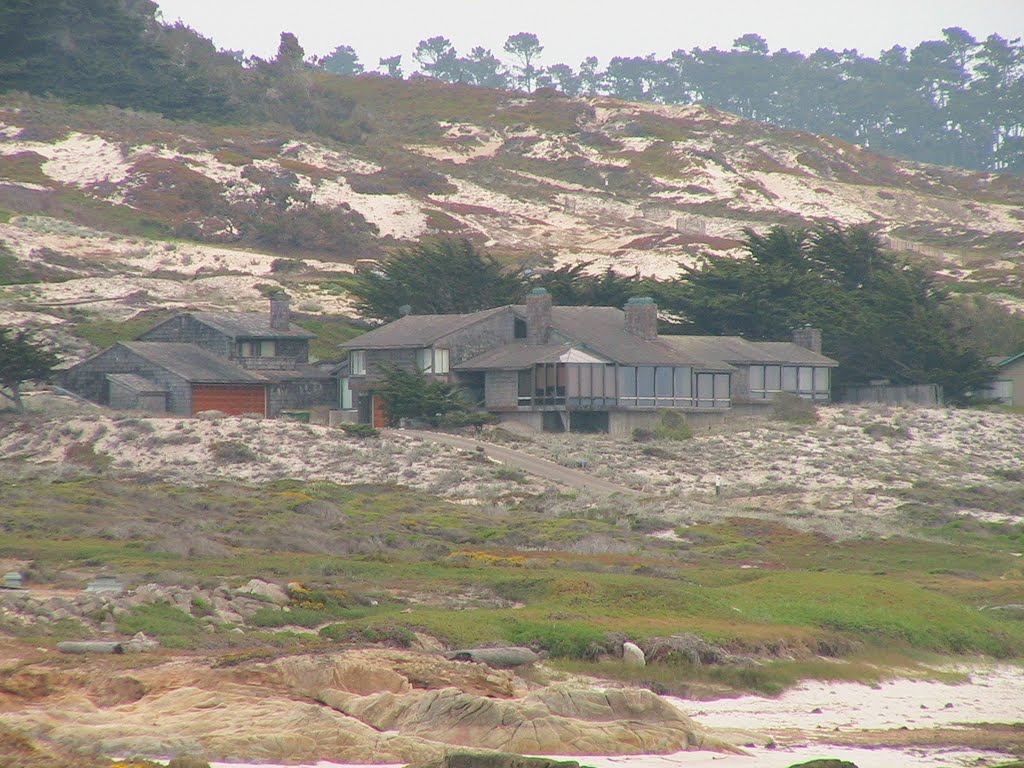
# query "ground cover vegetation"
(381, 563)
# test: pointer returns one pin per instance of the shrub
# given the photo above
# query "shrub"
(232, 451)
(642, 435)
(575, 641)
(378, 634)
(354, 429)
(794, 409)
(673, 426)
(513, 474)
(459, 419)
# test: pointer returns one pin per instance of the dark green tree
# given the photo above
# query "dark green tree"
(413, 394)
(436, 277)
(438, 58)
(343, 60)
(526, 48)
(880, 317)
(392, 65)
(22, 360)
(483, 68)
(573, 285)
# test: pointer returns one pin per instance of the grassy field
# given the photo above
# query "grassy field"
(382, 562)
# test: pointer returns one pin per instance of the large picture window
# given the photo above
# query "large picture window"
(649, 386)
(766, 381)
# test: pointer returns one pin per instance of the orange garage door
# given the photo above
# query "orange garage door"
(232, 399)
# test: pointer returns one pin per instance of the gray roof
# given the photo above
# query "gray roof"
(254, 325)
(791, 352)
(738, 351)
(136, 383)
(417, 330)
(603, 330)
(192, 363)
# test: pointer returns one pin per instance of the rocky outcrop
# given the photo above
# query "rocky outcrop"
(499, 658)
(395, 706)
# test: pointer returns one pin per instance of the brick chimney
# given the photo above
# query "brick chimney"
(280, 314)
(642, 317)
(538, 316)
(809, 338)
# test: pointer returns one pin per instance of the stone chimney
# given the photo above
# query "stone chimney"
(280, 315)
(642, 317)
(809, 338)
(538, 316)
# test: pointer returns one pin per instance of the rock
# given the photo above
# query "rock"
(187, 761)
(825, 764)
(140, 644)
(632, 656)
(499, 658)
(553, 720)
(266, 590)
(211, 415)
(426, 643)
(495, 760)
(311, 675)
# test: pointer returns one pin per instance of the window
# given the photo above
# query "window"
(441, 361)
(519, 329)
(267, 348)
(357, 362)
(821, 380)
(432, 360)
(788, 378)
(346, 395)
(805, 379)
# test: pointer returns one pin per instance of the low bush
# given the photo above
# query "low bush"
(354, 429)
(232, 451)
(794, 409)
(673, 426)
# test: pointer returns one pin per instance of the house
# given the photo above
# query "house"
(583, 368)
(1008, 385)
(246, 362)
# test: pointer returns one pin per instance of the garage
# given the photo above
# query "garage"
(232, 399)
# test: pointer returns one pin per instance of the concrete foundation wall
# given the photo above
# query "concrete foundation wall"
(532, 419)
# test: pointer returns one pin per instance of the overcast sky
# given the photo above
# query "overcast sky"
(570, 30)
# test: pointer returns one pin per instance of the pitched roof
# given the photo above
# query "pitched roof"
(417, 330)
(250, 325)
(739, 351)
(136, 383)
(603, 330)
(192, 363)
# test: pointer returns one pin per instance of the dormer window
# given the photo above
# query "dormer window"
(519, 328)
(266, 348)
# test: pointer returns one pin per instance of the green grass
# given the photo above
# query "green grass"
(330, 332)
(359, 546)
(174, 628)
(104, 333)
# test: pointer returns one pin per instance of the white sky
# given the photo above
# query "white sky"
(570, 30)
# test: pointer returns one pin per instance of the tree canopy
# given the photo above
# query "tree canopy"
(436, 277)
(881, 317)
(22, 360)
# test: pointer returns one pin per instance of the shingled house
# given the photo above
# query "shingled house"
(583, 368)
(240, 362)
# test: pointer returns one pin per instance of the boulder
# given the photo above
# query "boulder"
(495, 760)
(499, 658)
(554, 720)
(264, 589)
(632, 656)
(825, 764)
